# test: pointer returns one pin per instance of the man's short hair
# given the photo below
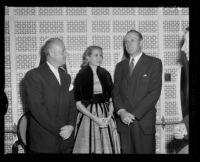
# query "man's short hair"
(124, 48)
(137, 32)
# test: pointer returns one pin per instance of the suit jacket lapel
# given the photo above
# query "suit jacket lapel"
(134, 79)
(50, 75)
(126, 69)
(64, 80)
(139, 66)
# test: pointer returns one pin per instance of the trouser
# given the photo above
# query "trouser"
(134, 141)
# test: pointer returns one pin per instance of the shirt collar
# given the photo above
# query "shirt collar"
(52, 67)
(136, 58)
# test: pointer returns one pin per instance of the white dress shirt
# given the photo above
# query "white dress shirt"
(55, 72)
(136, 58)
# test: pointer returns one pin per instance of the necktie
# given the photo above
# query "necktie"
(60, 71)
(131, 66)
(63, 67)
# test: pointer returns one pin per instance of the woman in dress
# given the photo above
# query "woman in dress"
(95, 130)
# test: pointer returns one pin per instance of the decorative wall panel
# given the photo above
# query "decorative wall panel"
(27, 29)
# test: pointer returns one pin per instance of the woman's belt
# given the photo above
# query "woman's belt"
(97, 98)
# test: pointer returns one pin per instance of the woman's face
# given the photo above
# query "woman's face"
(185, 47)
(96, 57)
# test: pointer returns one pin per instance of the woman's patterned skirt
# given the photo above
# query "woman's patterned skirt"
(89, 137)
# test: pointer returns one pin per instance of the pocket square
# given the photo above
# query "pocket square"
(71, 87)
(145, 75)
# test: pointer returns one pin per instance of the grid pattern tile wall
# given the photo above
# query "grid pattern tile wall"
(27, 28)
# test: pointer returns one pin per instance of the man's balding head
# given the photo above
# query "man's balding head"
(51, 44)
(54, 51)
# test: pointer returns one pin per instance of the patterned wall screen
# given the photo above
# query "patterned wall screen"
(27, 28)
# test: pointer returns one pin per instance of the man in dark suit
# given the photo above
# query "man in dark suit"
(5, 108)
(181, 131)
(137, 88)
(51, 104)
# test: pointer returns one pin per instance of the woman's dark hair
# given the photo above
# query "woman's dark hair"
(88, 52)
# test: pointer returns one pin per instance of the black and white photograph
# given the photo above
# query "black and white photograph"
(97, 80)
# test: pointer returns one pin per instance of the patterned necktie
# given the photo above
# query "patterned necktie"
(131, 66)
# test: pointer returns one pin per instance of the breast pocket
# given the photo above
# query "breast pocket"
(144, 79)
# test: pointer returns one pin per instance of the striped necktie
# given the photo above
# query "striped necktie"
(131, 66)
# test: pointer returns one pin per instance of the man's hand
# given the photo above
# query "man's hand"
(66, 131)
(180, 131)
(126, 117)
